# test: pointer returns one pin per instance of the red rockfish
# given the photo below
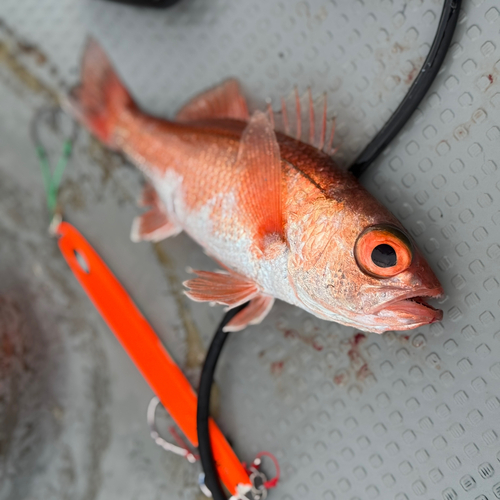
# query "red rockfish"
(275, 211)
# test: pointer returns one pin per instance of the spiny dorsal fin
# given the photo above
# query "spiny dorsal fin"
(259, 164)
(223, 101)
(306, 119)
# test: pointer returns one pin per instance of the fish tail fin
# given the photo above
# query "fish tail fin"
(100, 99)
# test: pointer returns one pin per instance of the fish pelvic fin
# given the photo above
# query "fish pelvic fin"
(253, 314)
(153, 225)
(228, 288)
(223, 101)
(261, 183)
(101, 97)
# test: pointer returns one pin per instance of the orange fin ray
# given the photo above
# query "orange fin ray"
(306, 119)
(298, 115)
(270, 113)
(259, 164)
(253, 314)
(230, 289)
(153, 225)
(223, 101)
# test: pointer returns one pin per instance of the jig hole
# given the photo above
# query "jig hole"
(82, 261)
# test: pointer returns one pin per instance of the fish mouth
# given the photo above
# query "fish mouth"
(413, 307)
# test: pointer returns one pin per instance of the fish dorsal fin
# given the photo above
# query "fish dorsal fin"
(227, 288)
(223, 101)
(259, 165)
(305, 119)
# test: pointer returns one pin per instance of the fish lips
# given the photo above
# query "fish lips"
(412, 308)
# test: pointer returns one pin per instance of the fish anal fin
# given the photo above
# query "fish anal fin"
(223, 101)
(228, 288)
(259, 166)
(153, 225)
(253, 314)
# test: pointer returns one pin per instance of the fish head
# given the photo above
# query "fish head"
(352, 262)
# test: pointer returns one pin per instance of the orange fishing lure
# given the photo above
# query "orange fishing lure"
(145, 349)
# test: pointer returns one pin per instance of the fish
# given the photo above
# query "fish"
(266, 200)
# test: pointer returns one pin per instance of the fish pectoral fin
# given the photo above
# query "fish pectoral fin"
(259, 165)
(253, 314)
(223, 101)
(153, 225)
(228, 288)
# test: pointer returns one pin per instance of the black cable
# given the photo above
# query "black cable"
(203, 411)
(419, 88)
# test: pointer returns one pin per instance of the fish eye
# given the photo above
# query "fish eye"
(384, 256)
(383, 251)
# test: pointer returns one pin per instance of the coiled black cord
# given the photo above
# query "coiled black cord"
(419, 88)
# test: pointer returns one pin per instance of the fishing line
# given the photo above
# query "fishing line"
(413, 98)
(51, 177)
